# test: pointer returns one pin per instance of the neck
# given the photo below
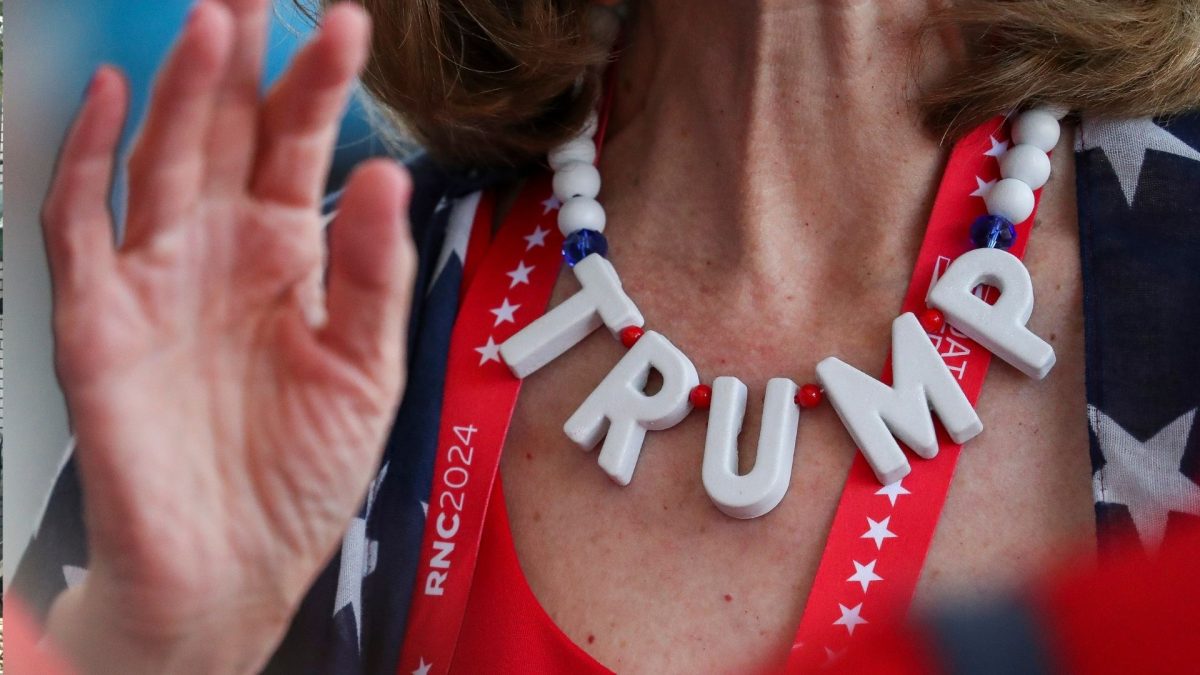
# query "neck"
(773, 135)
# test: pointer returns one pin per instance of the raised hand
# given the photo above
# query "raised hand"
(228, 412)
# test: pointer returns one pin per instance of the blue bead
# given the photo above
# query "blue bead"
(582, 243)
(993, 232)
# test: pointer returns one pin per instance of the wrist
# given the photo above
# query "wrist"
(97, 635)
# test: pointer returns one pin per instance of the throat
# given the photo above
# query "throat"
(772, 144)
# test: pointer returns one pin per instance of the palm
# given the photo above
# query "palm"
(226, 430)
(197, 369)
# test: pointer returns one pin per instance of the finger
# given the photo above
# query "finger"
(76, 220)
(301, 115)
(372, 263)
(230, 143)
(167, 164)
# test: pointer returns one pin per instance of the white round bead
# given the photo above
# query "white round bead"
(1009, 198)
(1027, 164)
(1036, 127)
(580, 213)
(574, 150)
(590, 126)
(576, 179)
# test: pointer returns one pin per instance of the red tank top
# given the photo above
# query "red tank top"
(505, 629)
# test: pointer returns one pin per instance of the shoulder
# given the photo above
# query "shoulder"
(1142, 170)
(436, 187)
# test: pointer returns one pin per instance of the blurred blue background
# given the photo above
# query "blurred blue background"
(137, 34)
(51, 49)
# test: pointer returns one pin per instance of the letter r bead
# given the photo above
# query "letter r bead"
(620, 412)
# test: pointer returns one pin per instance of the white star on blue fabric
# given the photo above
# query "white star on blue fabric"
(458, 233)
(1125, 143)
(878, 531)
(864, 574)
(850, 617)
(73, 575)
(1144, 476)
(538, 238)
(360, 556)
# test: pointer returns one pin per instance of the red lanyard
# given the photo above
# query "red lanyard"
(879, 538)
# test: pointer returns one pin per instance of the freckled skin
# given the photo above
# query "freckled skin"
(647, 560)
(653, 560)
(782, 230)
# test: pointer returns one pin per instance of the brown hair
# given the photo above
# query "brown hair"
(1124, 58)
(488, 82)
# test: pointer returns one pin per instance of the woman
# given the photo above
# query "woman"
(768, 176)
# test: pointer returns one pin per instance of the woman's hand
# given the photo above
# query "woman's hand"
(226, 432)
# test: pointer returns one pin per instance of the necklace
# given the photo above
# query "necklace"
(876, 534)
(876, 415)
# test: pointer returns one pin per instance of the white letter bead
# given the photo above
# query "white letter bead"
(1000, 328)
(576, 179)
(580, 213)
(1011, 199)
(1037, 127)
(755, 493)
(600, 301)
(1025, 163)
(872, 411)
(620, 412)
(574, 150)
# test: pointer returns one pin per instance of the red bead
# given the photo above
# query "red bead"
(809, 396)
(701, 396)
(932, 320)
(630, 335)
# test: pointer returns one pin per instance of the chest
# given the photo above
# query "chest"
(652, 577)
